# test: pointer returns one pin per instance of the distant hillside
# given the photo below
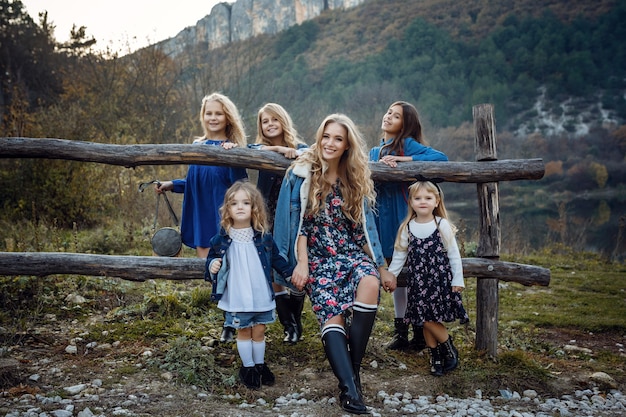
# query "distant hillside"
(553, 69)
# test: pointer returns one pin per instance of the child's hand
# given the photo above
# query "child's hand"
(228, 145)
(215, 266)
(457, 289)
(387, 280)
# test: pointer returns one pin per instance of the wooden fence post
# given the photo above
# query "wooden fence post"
(489, 225)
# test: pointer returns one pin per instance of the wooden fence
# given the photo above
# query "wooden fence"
(486, 172)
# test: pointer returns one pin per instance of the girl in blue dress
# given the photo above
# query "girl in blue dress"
(205, 185)
(402, 142)
(325, 225)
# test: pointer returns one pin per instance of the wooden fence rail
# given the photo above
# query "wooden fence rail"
(142, 268)
(486, 172)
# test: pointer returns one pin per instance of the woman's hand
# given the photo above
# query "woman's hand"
(215, 266)
(161, 187)
(457, 289)
(387, 280)
(300, 275)
(287, 152)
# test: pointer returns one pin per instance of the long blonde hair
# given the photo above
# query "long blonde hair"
(357, 186)
(290, 134)
(258, 219)
(439, 211)
(235, 131)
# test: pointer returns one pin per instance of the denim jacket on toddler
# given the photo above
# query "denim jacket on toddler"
(268, 254)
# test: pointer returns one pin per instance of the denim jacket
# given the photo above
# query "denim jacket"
(294, 194)
(268, 254)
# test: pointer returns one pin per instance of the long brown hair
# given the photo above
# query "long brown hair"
(357, 186)
(411, 128)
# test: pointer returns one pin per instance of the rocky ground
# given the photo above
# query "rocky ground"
(46, 373)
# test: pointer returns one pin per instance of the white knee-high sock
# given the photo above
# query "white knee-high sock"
(244, 347)
(399, 302)
(258, 351)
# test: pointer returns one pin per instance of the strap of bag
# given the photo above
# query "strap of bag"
(143, 186)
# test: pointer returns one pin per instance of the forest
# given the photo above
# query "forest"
(442, 56)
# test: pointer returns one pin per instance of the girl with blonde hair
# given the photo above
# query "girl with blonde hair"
(325, 225)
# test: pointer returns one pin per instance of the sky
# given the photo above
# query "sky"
(121, 23)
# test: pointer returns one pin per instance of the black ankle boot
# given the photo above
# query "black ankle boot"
(336, 348)
(436, 365)
(249, 376)
(418, 342)
(450, 355)
(400, 339)
(285, 317)
(266, 376)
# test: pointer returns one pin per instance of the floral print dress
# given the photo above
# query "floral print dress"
(429, 283)
(337, 261)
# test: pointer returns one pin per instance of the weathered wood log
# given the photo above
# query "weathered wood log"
(176, 154)
(141, 268)
(487, 301)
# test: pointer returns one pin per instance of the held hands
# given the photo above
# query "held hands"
(457, 289)
(300, 275)
(387, 280)
(215, 266)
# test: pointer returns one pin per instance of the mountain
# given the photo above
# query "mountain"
(233, 22)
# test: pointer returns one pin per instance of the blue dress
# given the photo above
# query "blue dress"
(392, 197)
(204, 189)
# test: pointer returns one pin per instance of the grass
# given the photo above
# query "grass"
(179, 323)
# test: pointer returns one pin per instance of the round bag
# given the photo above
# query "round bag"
(166, 242)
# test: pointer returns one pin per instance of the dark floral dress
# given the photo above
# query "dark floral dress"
(429, 283)
(337, 261)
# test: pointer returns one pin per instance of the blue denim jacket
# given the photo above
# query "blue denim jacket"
(268, 254)
(293, 198)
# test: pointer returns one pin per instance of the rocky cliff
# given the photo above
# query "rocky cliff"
(231, 22)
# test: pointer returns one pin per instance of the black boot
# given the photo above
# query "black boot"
(436, 365)
(249, 376)
(285, 316)
(450, 355)
(266, 376)
(296, 300)
(360, 330)
(400, 339)
(336, 348)
(418, 342)
(228, 333)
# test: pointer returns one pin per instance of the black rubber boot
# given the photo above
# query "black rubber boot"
(436, 364)
(336, 348)
(360, 330)
(228, 333)
(450, 355)
(400, 339)
(296, 300)
(418, 342)
(285, 317)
